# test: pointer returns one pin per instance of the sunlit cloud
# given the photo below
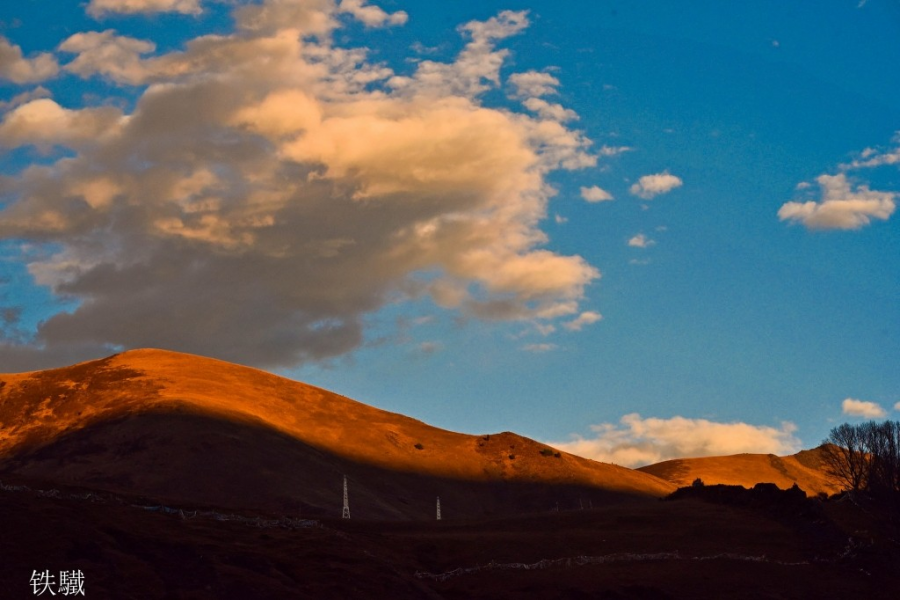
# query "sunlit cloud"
(16, 68)
(649, 186)
(269, 189)
(533, 84)
(843, 206)
(862, 408)
(595, 194)
(370, 15)
(871, 158)
(98, 8)
(640, 241)
(636, 441)
(586, 318)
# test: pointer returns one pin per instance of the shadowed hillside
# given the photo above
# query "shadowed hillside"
(198, 430)
(805, 468)
(684, 549)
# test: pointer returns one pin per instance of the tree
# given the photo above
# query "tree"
(845, 458)
(865, 457)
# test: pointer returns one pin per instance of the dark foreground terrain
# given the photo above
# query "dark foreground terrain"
(131, 547)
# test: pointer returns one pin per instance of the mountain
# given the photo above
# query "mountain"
(199, 431)
(806, 469)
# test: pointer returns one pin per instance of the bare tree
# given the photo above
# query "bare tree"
(865, 457)
(845, 459)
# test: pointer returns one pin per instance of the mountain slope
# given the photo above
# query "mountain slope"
(199, 430)
(805, 468)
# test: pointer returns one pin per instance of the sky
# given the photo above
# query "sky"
(635, 230)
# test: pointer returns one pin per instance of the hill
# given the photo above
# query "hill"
(805, 469)
(201, 431)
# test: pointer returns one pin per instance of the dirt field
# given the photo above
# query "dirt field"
(129, 547)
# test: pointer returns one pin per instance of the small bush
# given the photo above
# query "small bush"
(697, 483)
(419, 447)
(546, 452)
(512, 457)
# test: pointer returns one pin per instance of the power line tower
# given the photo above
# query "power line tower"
(346, 513)
(438, 508)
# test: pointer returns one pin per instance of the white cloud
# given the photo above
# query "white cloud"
(269, 189)
(614, 150)
(548, 110)
(862, 408)
(476, 69)
(842, 206)
(370, 15)
(544, 329)
(637, 441)
(897, 406)
(533, 84)
(539, 348)
(595, 194)
(18, 69)
(586, 318)
(649, 186)
(871, 158)
(640, 241)
(98, 8)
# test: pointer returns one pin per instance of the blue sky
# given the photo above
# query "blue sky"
(640, 229)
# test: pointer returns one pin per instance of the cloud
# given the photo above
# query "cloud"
(862, 408)
(533, 84)
(25, 97)
(649, 186)
(640, 241)
(269, 190)
(842, 206)
(117, 57)
(637, 441)
(595, 194)
(372, 16)
(871, 158)
(98, 8)
(539, 348)
(18, 69)
(547, 110)
(44, 123)
(586, 318)
(429, 348)
(614, 150)
(897, 406)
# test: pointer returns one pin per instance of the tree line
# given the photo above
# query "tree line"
(865, 457)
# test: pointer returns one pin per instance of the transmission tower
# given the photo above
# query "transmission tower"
(438, 508)
(346, 513)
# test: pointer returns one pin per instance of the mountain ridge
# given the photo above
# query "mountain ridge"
(203, 430)
(806, 469)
